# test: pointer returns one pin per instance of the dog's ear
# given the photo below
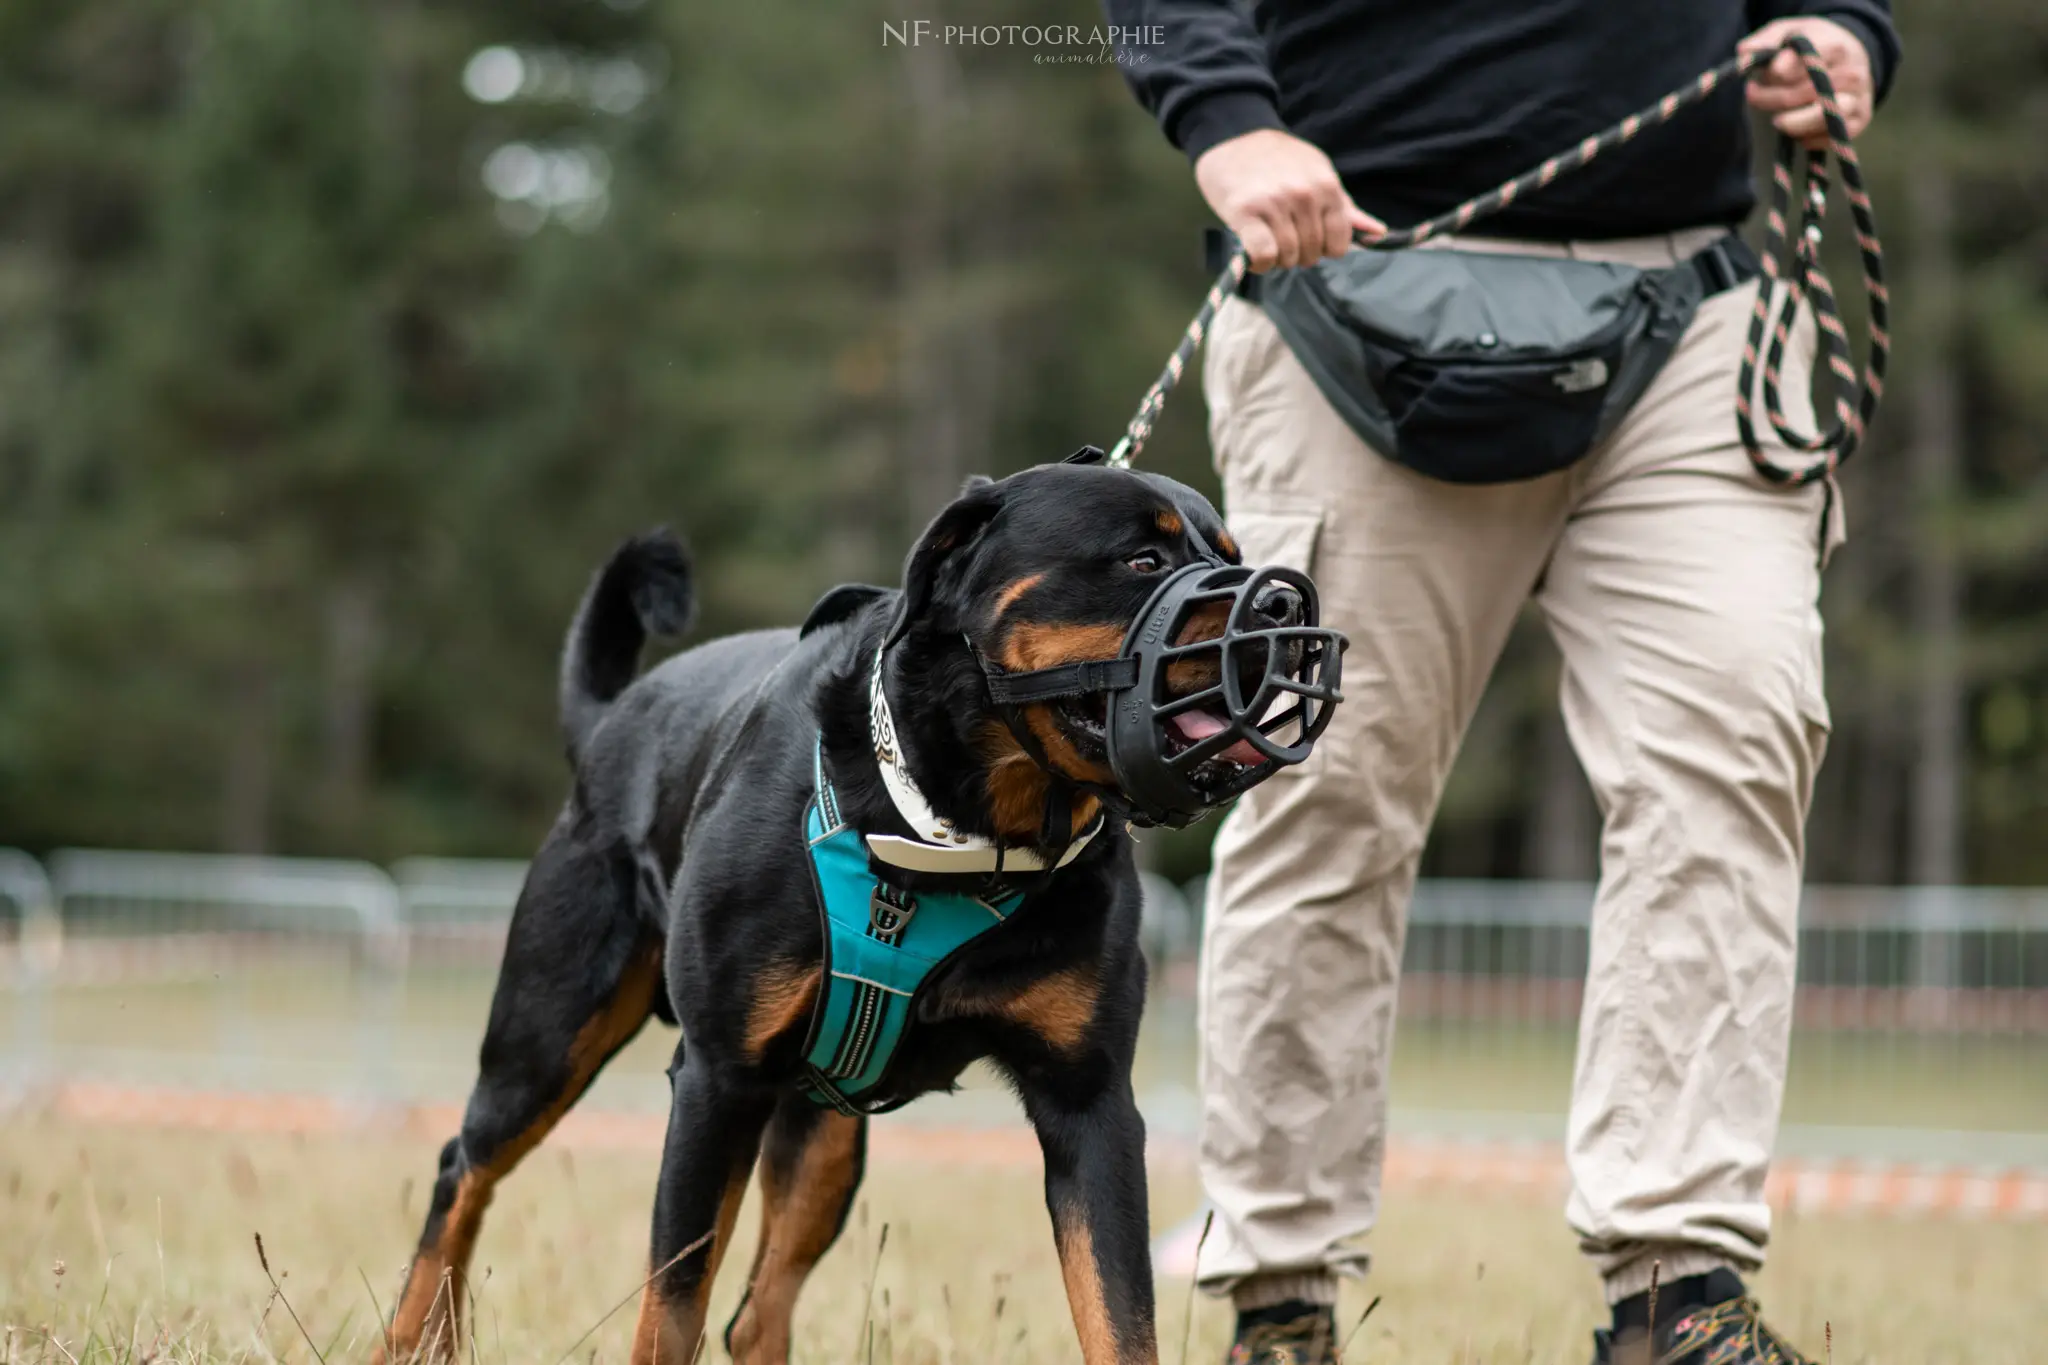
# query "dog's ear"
(952, 531)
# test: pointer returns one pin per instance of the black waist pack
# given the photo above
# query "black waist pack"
(1482, 367)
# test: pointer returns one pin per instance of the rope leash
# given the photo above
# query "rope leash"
(1856, 393)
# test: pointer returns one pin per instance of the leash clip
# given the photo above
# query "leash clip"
(887, 917)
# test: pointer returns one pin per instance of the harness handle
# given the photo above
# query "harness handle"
(1857, 393)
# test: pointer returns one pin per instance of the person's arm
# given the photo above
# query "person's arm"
(1206, 81)
(1856, 40)
(1208, 84)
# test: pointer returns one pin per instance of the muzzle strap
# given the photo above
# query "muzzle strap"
(1065, 680)
(1057, 825)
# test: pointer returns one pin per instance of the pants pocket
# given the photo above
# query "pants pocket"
(1238, 355)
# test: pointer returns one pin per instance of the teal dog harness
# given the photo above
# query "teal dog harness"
(881, 945)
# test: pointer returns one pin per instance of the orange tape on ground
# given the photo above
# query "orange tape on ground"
(1524, 1170)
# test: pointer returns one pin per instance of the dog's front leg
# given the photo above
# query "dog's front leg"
(714, 1132)
(1094, 1145)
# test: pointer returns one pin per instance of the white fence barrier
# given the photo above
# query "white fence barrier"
(31, 936)
(181, 968)
(295, 974)
(456, 909)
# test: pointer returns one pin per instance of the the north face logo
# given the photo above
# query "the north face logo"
(1581, 375)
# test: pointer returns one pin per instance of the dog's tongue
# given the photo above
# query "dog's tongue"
(1196, 726)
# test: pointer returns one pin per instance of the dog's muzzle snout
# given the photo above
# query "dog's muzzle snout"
(1198, 715)
(1278, 604)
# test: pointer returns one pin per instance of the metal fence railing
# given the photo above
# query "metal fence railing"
(179, 969)
(1923, 959)
(1922, 1009)
(30, 938)
(456, 909)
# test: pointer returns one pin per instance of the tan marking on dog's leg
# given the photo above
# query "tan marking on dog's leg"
(798, 1224)
(783, 995)
(1058, 1008)
(1084, 1292)
(672, 1332)
(427, 1323)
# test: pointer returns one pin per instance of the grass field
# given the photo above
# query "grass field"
(302, 1029)
(132, 1244)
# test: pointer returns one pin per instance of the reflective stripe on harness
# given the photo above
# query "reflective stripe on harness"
(881, 944)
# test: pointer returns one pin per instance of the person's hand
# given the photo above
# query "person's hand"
(1282, 198)
(1782, 90)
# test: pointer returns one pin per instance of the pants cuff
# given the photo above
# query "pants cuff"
(1263, 1291)
(1670, 1262)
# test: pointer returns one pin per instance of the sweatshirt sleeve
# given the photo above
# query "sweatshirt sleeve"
(1869, 20)
(1199, 66)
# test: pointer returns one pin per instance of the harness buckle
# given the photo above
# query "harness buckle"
(825, 1092)
(889, 911)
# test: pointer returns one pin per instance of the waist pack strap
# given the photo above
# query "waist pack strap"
(1403, 344)
(1723, 264)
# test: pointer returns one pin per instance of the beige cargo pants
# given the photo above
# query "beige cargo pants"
(1682, 591)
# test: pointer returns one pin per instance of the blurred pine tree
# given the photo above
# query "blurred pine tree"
(338, 343)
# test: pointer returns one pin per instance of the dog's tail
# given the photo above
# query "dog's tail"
(644, 589)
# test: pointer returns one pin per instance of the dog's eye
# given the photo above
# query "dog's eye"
(1146, 561)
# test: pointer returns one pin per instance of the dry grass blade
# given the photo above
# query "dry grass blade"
(276, 1288)
(952, 1352)
(1656, 1270)
(470, 1289)
(378, 1309)
(430, 1349)
(867, 1314)
(653, 1275)
(1187, 1325)
(92, 1208)
(1828, 1340)
(50, 1340)
(1355, 1327)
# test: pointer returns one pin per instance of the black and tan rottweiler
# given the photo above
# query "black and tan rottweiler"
(675, 884)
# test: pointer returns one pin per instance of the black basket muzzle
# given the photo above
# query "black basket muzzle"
(1194, 723)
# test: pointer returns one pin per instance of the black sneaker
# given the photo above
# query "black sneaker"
(1732, 1332)
(1291, 1333)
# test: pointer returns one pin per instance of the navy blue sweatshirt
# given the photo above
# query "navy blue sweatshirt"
(1424, 103)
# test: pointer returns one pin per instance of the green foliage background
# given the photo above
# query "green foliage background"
(308, 442)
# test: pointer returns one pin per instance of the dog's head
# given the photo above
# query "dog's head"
(1052, 566)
